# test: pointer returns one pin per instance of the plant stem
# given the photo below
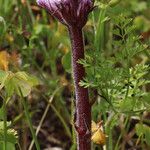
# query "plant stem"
(82, 119)
(5, 124)
(30, 123)
(99, 37)
(30, 11)
(43, 117)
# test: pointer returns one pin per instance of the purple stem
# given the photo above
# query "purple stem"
(83, 107)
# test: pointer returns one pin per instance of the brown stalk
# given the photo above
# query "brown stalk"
(83, 107)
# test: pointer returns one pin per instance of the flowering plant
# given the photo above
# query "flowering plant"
(74, 13)
(69, 12)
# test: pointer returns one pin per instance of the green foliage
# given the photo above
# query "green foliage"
(12, 82)
(2, 25)
(119, 86)
(12, 136)
(113, 70)
(143, 131)
(113, 3)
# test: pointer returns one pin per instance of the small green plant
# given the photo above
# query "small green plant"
(14, 83)
(119, 83)
(11, 135)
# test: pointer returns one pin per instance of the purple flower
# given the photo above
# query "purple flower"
(69, 12)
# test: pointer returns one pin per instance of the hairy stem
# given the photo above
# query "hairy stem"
(83, 108)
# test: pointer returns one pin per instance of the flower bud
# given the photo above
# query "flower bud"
(69, 12)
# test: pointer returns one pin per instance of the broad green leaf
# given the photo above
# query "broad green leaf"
(3, 74)
(139, 129)
(3, 77)
(15, 81)
(24, 83)
(113, 3)
(10, 86)
(33, 81)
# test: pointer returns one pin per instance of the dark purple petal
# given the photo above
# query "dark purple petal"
(69, 12)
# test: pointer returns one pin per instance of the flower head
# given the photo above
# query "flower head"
(69, 12)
